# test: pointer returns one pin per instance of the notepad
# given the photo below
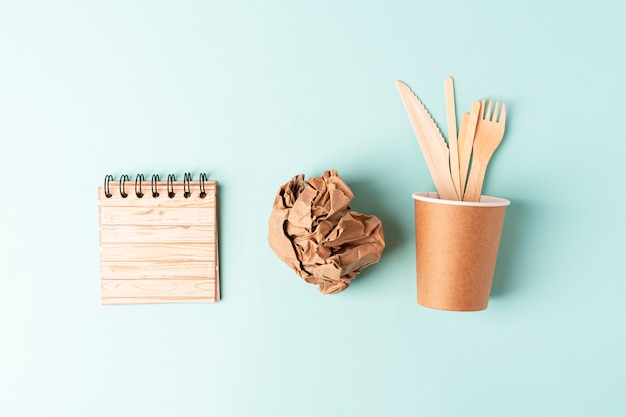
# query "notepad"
(158, 240)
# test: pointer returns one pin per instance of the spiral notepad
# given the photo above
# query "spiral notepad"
(158, 240)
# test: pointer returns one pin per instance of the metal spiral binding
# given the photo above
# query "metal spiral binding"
(107, 191)
(155, 179)
(186, 185)
(140, 178)
(170, 185)
(203, 178)
(123, 180)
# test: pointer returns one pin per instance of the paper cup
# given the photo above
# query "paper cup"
(456, 247)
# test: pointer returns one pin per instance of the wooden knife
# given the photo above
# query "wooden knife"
(431, 142)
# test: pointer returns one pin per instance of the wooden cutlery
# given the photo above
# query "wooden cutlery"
(458, 167)
(489, 133)
(452, 138)
(468, 142)
(431, 142)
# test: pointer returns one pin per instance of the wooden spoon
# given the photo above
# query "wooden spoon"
(466, 141)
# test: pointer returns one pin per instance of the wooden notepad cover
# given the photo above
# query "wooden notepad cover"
(159, 250)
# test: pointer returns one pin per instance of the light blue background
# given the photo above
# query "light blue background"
(254, 92)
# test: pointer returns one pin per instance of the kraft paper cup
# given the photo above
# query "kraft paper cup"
(456, 247)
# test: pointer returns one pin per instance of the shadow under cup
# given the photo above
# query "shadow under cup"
(456, 247)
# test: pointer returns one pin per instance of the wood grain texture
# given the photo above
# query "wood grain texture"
(157, 216)
(158, 288)
(158, 249)
(157, 234)
(158, 270)
(167, 252)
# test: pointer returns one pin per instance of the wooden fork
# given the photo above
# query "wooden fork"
(489, 133)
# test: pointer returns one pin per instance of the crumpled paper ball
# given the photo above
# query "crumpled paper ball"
(313, 230)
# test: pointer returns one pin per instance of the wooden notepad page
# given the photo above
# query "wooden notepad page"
(159, 250)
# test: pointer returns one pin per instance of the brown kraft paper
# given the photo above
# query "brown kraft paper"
(313, 230)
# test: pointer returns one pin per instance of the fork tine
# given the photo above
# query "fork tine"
(503, 114)
(488, 115)
(481, 112)
(494, 116)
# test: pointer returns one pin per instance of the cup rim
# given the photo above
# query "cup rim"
(485, 200)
